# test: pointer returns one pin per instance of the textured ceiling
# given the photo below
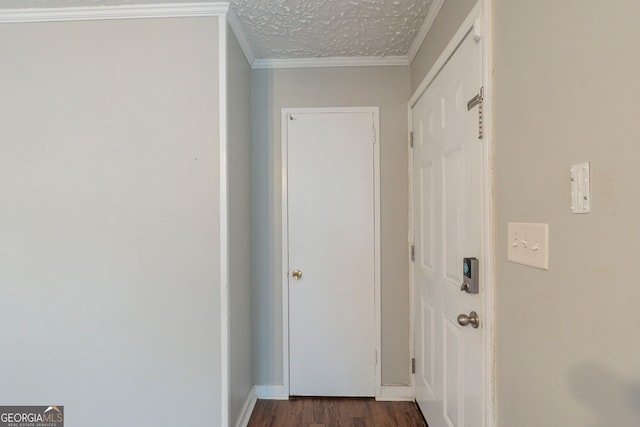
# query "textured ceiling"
(305, 28)
(330, 28)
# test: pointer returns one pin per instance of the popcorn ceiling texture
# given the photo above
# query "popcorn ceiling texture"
(305, 28)
(328, 28)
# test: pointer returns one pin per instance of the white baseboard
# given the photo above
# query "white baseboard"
(403, 393)
(272, 392)
(247, 408)
(387, 393)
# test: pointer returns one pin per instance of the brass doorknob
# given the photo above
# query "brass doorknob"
(296, 274)
(472, 319)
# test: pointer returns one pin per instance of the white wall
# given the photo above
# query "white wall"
(387, 87)
(566, 91)
(109, 247)
(239, 120)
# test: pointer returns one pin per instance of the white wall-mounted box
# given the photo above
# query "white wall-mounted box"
(580, 188)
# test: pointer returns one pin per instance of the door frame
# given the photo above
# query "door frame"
(478, 23)
(375, 111)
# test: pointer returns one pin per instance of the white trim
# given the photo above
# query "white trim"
(223, 142)
(272, 392)
(237, 29)
(285, 239)
(125, 11)
(446, 54)
(489, 213)
(285, 249)
(247, 408)
(410, 241)
(424, 29)
(395, 393)
(377, 249)
(482, 11)
(355, 61)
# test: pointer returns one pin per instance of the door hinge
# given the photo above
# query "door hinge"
(411, 139)
(413, 365)
(478, 100)
(413, 253)
(373, 133)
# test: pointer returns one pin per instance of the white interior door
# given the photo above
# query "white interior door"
(331, 258)
(448, 218)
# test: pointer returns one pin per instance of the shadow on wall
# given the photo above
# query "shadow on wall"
(614, 400)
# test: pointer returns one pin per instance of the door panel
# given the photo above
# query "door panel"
(448, 219)
(428, 340)
(331, 241)
(451, 218)
(452, 371)
(426, 215)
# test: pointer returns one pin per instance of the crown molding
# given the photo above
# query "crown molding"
(424, 29)
(238, 30)
(129, 11)
(356, 61)
(217, 8)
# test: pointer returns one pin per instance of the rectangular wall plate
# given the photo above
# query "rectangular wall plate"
(528, 244)
(580, 188)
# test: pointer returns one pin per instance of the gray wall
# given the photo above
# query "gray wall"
(109, 255)
(387, 87)
(239, 117)
(565, 91)
(449, 19)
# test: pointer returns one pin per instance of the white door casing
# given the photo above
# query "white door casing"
(331, 234)
(449, 217)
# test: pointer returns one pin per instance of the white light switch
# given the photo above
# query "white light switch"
(528, 244)
(580, 188)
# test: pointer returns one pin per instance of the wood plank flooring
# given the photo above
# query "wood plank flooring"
(335, 412)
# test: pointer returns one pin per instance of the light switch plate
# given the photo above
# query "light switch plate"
(528, 244)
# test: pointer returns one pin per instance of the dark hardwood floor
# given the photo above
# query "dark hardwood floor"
(335, 412)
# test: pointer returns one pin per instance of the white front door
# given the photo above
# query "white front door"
(448, 219)
(331, 252)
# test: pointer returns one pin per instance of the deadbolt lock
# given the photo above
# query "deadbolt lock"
(470, 276)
